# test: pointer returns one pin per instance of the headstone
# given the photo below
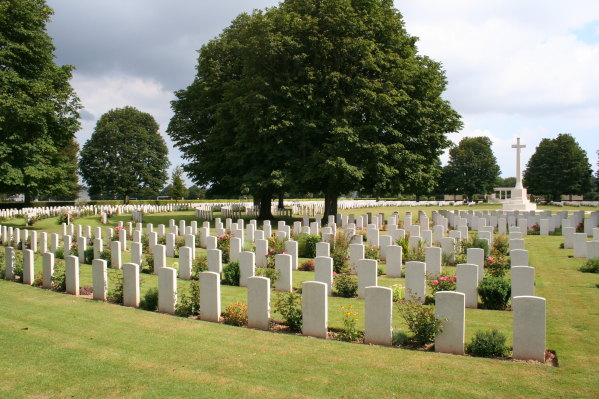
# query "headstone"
(450, 305)
(9, 263)
(367, 275)
(210, 296)
(185, 263)
(72, 274)
(258, 302)
(99, 279)
(28, 271)
(592, 249)
(323, 249)
(283, 265)
(261, 252)
(580, 245)
(247, 262)
(415, 281)
(131, 285)
(167, 289)
(115, 255)
(529, 328)
(523, 281)
(467, 283)
(159, 253)
(314, 309)
(291, 249)
(323, 271)
(433, 259)
(170, 245)
(235, 247)
(136, 253)
(519, 257)
(568, 233)
(516, 244)
(476, 256)
(215, 260)
(47, 269)
(394, 261)
(356, 253)
(377, 315)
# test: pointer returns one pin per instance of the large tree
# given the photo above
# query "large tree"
(558, 166)
(314, 96)
(472, 167)
(38, 107)
(125, 156)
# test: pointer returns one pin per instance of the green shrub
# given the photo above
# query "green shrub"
(307, 265)
(224, 244)
(591, 266)
(59, 280)
(150, 300)
(147, 265)
(272, 274)
(372, 252)
(306, 245)
(189, 302)
(340, 252)
(107, 256)
(275, 243)
(59, 253)
(345, 285)
(477, 243)
(397, 292)
(289, 306)
(18, 271)
(115, 295)
(88, 254)
(400, 338)
(200, 264)
(236, 314)
(494, 292)
(421, 321)
(38, 280)
(231, 274)
(497, 266)
(488, 344)
(501, 245)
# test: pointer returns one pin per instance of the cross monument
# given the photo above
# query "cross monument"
(518, 146)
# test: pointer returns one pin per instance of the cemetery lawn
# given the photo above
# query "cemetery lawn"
(56, 345)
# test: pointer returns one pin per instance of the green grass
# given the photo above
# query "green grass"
(56, 345)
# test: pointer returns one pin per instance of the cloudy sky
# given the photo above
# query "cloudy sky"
(516, 68)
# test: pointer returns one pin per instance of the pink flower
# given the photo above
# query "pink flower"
(454, 278)
(284, 252)
(442, 278)
(490, 259)
(334, 273)
(436, 282)
(272, 251)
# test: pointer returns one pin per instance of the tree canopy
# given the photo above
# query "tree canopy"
(472, 167)
(178, 190)
(558, 166)
(125, 156)
(38, 107)
(319, 96)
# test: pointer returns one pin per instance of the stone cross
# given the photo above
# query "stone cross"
(518, 146)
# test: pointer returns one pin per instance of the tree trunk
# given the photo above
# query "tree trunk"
(281, 201)
(330, 203)
(28, 198)
(265, 204)
(126, 199)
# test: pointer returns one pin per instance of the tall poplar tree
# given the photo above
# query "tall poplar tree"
(38, 107)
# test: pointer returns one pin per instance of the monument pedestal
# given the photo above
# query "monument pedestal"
(519, 201)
